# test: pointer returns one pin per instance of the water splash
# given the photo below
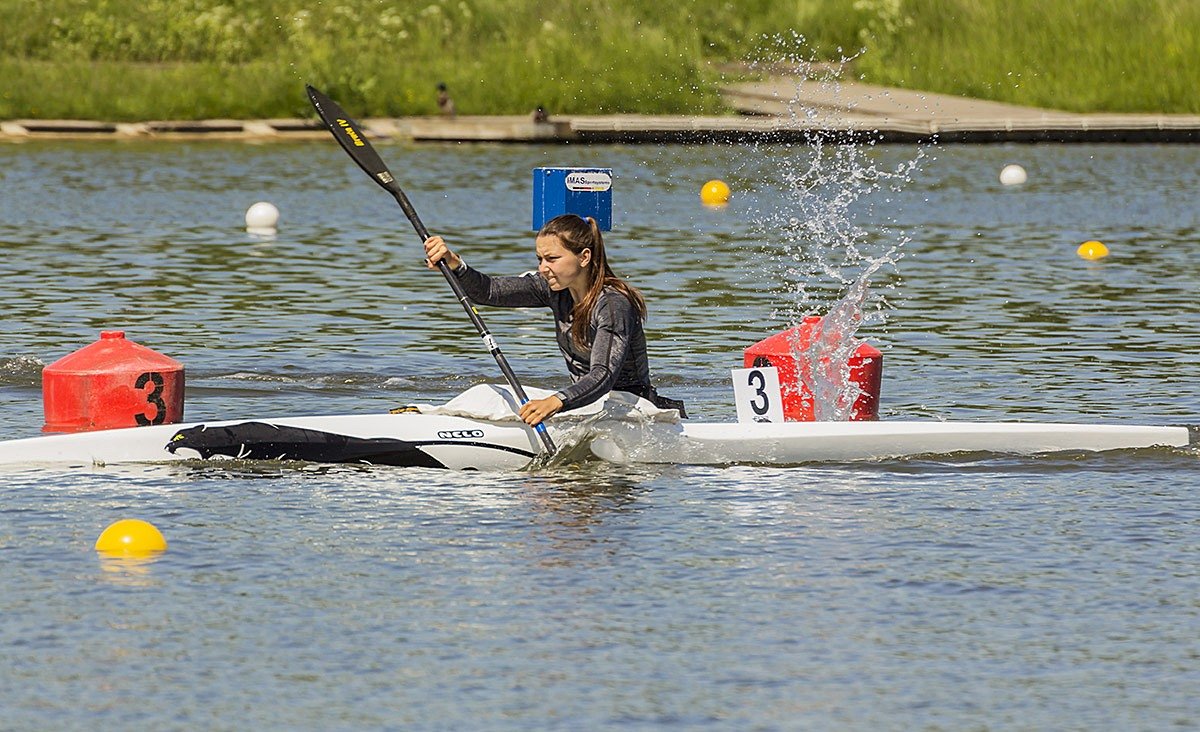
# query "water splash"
(825, 215)
(825, 359)
(21, 370)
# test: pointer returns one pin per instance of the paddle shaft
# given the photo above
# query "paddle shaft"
(352, 139)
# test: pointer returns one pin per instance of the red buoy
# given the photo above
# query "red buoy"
(111, 383)
(782, 350)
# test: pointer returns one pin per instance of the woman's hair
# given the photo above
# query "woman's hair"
(577, 234)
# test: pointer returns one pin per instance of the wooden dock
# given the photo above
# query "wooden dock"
(899, 114)
(779, 109)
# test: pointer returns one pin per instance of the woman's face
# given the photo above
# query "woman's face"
(562, 268)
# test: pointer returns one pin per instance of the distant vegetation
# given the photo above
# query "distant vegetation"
(193, 59)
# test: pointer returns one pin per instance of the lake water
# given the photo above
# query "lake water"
(973, 592)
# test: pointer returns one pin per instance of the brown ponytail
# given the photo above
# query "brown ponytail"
(577, 234)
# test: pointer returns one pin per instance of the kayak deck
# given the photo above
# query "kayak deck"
(802, 442)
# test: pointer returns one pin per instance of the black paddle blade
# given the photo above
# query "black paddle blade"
(352, 139)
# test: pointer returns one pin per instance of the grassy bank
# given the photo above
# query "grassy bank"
(192, 59)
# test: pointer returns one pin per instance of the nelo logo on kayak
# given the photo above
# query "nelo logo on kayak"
(460, 434)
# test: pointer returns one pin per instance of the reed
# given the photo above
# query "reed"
(193, 59)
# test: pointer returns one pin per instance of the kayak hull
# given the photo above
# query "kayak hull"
(408, 440)
(805, 442)
(459, 443)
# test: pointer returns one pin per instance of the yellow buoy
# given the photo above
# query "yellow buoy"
(131, 537)
(714, 193)
(1092, 250)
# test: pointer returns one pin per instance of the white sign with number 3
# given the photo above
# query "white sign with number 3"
(757, 394)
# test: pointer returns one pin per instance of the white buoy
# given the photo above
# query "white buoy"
(262, 218)
(1013, 175)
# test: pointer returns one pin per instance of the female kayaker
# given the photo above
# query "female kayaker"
(598, 316)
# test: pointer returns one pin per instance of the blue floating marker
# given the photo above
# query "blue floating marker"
(580, 191)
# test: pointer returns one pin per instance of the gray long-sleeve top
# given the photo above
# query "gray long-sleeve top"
(617, 357)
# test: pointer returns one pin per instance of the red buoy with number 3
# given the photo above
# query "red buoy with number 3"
(111, 383)
(787, 352)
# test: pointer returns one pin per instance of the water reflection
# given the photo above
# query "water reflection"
(131, 571)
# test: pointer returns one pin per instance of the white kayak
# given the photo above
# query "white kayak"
(461, 443)
(410, 440)
(707, 443)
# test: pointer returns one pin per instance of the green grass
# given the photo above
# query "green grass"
(1078, 55)
(193, 59)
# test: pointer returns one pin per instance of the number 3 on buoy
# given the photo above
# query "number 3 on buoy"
(757, 394)
(154, 398)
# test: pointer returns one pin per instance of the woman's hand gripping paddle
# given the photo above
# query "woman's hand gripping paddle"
(354, 141)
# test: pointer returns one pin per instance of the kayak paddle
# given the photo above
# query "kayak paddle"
(354, 141)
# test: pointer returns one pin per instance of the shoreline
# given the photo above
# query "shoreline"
(779, 109)
(633, 129)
